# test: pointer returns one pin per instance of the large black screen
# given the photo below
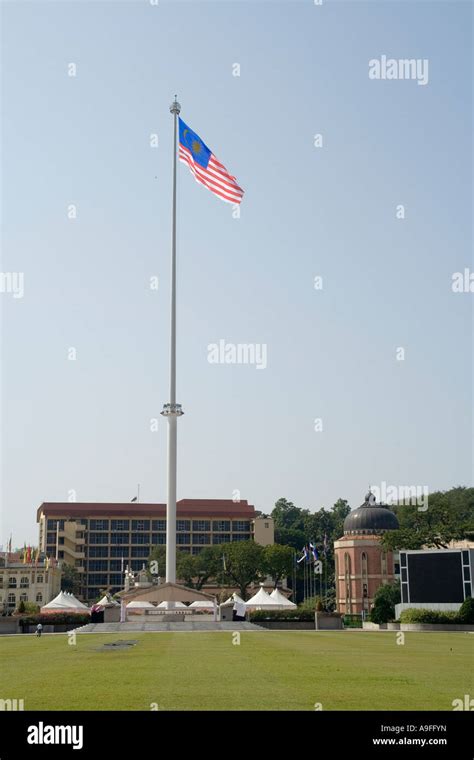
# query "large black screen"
(435, 577)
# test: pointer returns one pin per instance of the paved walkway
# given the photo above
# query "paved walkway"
(151, 626)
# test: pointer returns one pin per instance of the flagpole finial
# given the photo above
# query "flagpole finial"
(175, 107)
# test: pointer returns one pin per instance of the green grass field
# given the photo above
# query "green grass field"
(267, 671)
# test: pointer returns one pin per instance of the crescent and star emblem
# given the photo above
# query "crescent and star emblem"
(195, 144)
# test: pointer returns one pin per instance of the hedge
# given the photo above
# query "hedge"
(436, 617)
(282, 616)
(57, 618)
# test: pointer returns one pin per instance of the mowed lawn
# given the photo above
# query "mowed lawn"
(267, 671)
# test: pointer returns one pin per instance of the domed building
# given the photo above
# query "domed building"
(361, 564)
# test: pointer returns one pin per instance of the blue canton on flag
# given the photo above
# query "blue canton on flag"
(205, 167)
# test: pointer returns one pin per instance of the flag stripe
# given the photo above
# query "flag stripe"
(207, 181)
(214, 177)
(229, 187)
(210, 174)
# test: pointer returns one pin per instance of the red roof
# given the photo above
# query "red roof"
(185, 508)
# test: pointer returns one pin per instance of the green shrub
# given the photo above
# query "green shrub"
(311, 604)
(282, 616)
(57, 618)
(385, 599)
(466, 611)
(435, 617)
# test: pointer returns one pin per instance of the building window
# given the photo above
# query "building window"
(140, 551)
(116, 565)
(24, 582)
(11, 599)
(196, 550)
(116, 580)
(158, 538)
(201, 525)
(119, 538)
(97, 564)
(183, 538)
(99, 525)
(183, 525)
(51, 538)
(140, 538)
(119, 551)
(383, 561)
(201, 538)
(12, 582)
(98, 580)
(140, 525)
(120, 524)
(241, 526)
(158, 524)
(98, 538)
(267, 525)
(98, 551)
(348, 585)
(221, 538)
(136, 564)
(23, 597)
(240, 536)
(40, 579)
(221, 525)
(39, 598)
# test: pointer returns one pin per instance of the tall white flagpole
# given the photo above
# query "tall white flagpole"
(172, 410)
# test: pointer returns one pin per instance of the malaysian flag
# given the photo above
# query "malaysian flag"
(205, 167)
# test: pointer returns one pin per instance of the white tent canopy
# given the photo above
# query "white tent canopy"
(106, 601)
(280, 599)
(234, 598)
(74, 602)
(202, 605)
(64, 601)
(140, 605)
(172, 605)
(262, 601)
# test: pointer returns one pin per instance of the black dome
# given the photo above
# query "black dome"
(369, 519)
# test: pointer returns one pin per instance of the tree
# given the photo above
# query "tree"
(290, 537)
(385, 599)
(278, 562)
(286, 515)
(448, 516)
(208, 565)
(466, 611)
(193, 570)
(244, 562)
(70, 579)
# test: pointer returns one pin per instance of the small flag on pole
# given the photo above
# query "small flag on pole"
(325, 544)
(314, 552)
(205, 167)
(305, 554)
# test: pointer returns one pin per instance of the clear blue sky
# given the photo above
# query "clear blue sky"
(85, 425)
